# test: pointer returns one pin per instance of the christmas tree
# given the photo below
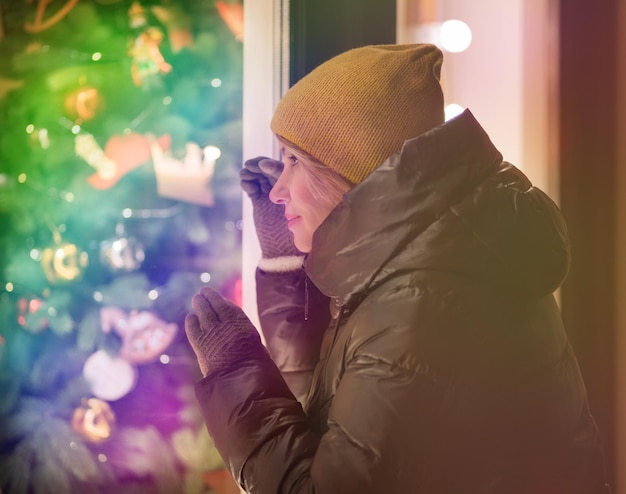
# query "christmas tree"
(120, 147)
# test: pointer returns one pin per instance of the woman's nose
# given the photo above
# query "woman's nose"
(279, 194)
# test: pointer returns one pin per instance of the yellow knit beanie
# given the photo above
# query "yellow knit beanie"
(357, 109)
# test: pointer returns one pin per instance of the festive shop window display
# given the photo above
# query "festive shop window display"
(119, 199)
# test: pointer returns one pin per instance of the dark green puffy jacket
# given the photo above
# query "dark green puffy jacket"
(445, 367)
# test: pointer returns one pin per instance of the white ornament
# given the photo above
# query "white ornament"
(110, 378)
(188, 179)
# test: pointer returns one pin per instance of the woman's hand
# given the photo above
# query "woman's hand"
(219, 332)
(257, 178)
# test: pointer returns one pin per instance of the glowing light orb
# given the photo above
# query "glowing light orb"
(452, 110)
(456, 36)
(212, 153)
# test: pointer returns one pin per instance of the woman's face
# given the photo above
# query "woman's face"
(304, 213)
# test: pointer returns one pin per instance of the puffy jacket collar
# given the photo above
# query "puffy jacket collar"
(445, 201)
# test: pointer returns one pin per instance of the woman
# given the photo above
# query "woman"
(424, 303)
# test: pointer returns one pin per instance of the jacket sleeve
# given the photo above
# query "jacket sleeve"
(257, 425)
(294, 315)
(273, 447)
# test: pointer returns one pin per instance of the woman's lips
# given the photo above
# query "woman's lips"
(291, 219)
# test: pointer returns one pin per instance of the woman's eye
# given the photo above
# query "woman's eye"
(293, 160)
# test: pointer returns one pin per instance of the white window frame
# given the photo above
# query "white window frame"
(265, 78)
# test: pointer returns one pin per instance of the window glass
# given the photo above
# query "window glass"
(120, 146)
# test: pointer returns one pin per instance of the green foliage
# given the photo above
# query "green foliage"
(144, 453)
(50, 319)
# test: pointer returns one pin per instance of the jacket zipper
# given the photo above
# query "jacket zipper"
(306, 298)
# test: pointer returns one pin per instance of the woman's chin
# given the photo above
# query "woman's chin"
(301, 245)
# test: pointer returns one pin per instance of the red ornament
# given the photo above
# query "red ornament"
(232, 15)
(128, 152)
(32, 315)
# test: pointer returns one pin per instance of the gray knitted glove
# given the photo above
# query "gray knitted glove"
(220, 333)
(257, 179)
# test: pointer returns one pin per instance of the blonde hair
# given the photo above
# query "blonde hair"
(326, 185)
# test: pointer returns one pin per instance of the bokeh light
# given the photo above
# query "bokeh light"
(456, 36)
(452, 110)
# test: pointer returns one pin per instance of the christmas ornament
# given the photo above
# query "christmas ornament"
(188, 179)
(30, 315)
(110, 377)
(94, 420)
(232, 15)
(40, 24)
(121, 154)
(122, 253)
(148, 63)
(63, 262)
(144, 336)
(84, 103)
(137, 16)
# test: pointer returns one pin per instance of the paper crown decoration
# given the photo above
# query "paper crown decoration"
(187, 179)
